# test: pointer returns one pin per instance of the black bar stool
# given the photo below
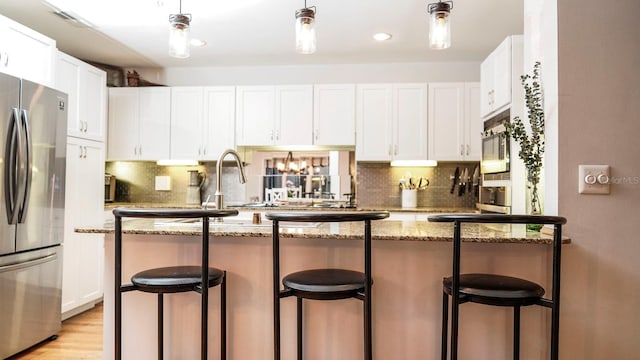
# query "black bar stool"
(172, 279)
(499, 290)
(323, 284)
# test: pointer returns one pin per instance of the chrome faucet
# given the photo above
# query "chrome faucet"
(243, 179)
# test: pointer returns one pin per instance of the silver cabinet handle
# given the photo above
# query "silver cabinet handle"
(395, 149)
(277, 135)
(390, 152)
(468, 149)
(80, 152)
(461, 150)
(271, 135)
(315, 135)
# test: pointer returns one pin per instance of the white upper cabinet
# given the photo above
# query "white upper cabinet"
(202, 122)
(455, 125)
(391, 122)
(334, 114)
(497, 77)
(294, 115)
(274, 115)
(139, 126)
(86, 88)
(26, 53)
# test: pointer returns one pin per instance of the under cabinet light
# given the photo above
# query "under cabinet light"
(414, 163)
(177, 162)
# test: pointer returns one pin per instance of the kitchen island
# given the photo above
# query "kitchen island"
(409, 260)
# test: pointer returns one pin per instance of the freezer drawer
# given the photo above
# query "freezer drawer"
(30, 296)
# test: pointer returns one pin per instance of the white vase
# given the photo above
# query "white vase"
(409, 198)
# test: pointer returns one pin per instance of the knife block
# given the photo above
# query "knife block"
(409, 198)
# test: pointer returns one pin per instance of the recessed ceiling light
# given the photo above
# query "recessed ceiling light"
(382, 36)
(197, 42)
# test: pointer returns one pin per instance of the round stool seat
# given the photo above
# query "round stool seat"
(174, 279)
(498, 290)
(325, 284)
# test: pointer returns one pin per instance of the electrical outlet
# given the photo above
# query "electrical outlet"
(163, 183)
(594, 179)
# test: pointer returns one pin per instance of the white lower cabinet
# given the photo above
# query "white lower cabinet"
(82, 270)
(455, 125)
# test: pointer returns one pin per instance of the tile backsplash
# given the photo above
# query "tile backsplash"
(136, 182)
(378, 185)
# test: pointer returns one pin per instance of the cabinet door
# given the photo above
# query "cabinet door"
(68, 71)
(186, 123)
(446, 121)
(26, 53)
(219, 120)
(334, 114)
(410, 122)
(154, 128)
(255, 111)
(82, 275)
(473, 122)
(93, 98)
(294, 115)
(486, 86)
(502, 74)
(123, 138)
(374, 115)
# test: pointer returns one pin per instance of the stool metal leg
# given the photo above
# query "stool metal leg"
(445, 325)
(299, 310)
(516, 332)
(276, 290)
(160, 327)
(223, 317)
(118, 291)
(368, 342)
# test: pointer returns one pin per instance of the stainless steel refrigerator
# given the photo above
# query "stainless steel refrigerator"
(33, 123)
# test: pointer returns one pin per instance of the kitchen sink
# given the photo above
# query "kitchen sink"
(234, 221)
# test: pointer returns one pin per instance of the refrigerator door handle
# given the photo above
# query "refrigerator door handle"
(27, 160)
(11, 158)
(28, 263)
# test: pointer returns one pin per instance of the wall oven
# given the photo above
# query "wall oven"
(494, 200)
(495, 146)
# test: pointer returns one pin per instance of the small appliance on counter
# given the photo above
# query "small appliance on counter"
(109, 188)
(196, 180)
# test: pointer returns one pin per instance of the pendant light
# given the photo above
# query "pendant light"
(179, 34)
(305, 30)
(439, 26)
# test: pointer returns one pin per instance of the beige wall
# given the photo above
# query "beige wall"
(599, 110)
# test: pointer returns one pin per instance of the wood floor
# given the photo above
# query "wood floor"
(79, 339)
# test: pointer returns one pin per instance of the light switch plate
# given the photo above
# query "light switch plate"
(163, 183)
(594, 179)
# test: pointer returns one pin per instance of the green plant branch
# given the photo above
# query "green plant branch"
(531, 142)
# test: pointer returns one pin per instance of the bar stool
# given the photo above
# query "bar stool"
(323, 284)
(499, 290)
(172, 279)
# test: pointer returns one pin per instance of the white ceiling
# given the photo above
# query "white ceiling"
(261, 32)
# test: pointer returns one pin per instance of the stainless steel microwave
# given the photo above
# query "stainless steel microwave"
(495, 145)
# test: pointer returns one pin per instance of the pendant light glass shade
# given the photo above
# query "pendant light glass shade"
(305, 31)
(179, 35)
(439, 25)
